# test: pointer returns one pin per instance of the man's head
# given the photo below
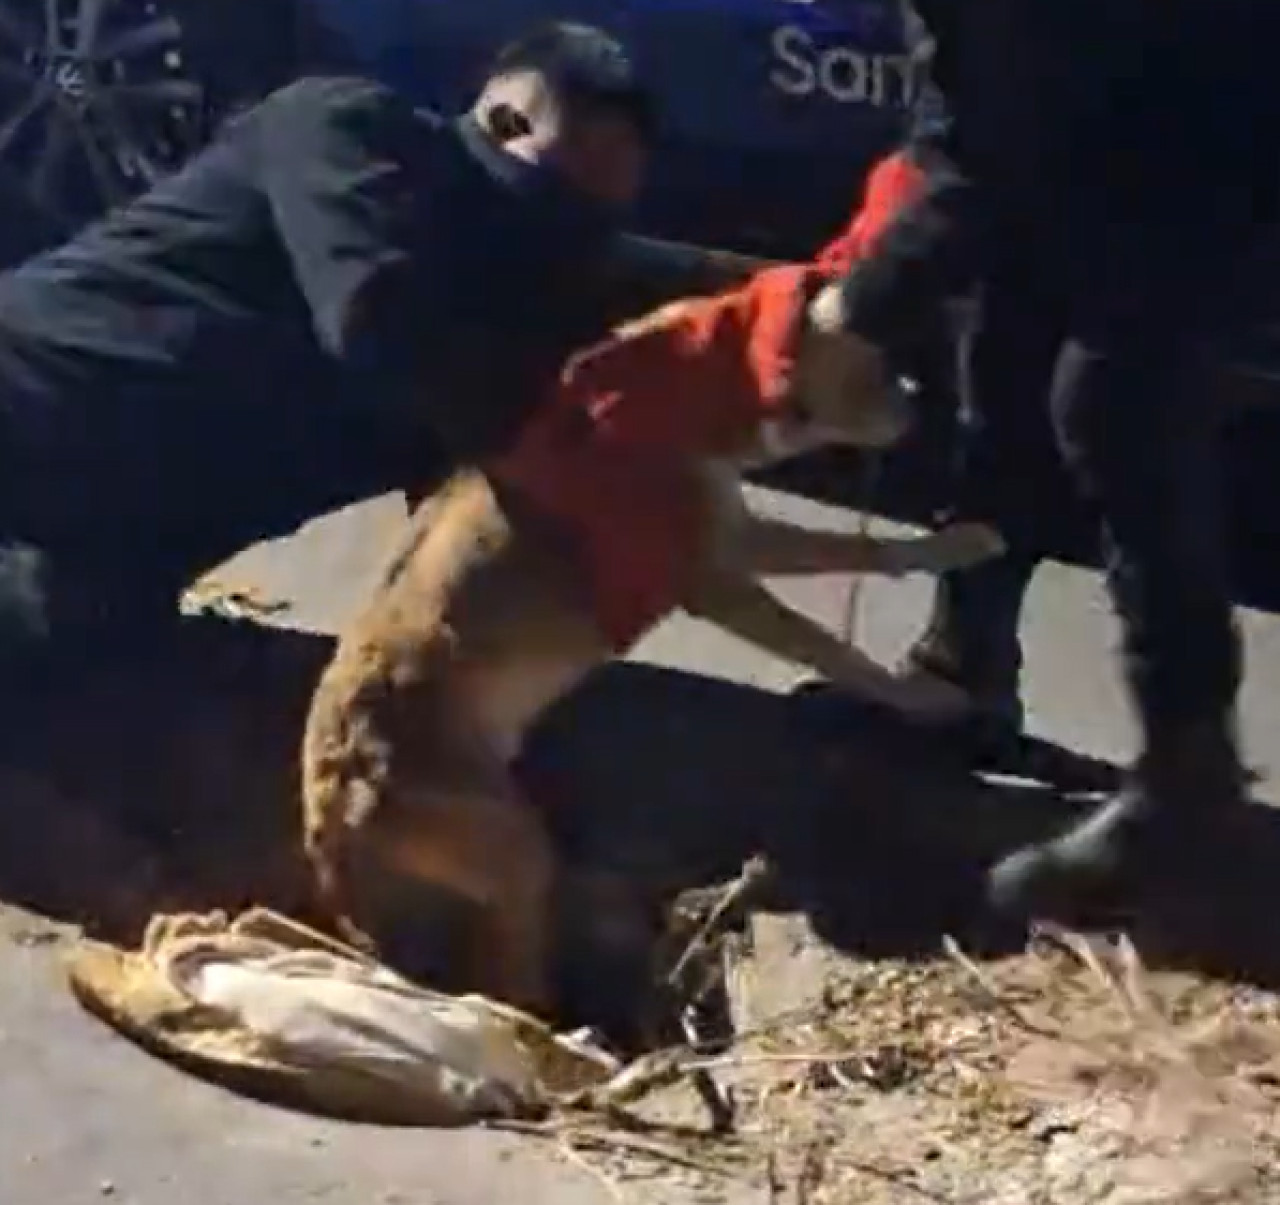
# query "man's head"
(566, 95)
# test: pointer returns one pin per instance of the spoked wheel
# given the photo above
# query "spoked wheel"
(96, 103)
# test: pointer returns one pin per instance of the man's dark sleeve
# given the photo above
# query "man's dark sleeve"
(334, 160)
(934, 247)
(342, 163)
(639, 274)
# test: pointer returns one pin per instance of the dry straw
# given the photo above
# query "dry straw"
(1069, 1075)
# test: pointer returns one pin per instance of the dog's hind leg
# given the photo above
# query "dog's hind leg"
(488, 847)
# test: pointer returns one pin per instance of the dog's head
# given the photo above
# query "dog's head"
(840, 390)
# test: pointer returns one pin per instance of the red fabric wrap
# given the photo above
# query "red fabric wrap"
(893, 183)
(614, 453)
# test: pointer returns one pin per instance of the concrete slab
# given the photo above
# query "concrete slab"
(86, 1118)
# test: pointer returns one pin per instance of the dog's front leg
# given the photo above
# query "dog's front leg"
(741, 605)
(775, 548)
(759, 546)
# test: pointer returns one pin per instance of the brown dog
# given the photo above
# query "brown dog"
(517, 581)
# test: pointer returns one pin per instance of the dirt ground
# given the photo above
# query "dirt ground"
(1064, 1076)
(1067, 1075)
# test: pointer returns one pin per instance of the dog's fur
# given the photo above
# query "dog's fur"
(482, 621)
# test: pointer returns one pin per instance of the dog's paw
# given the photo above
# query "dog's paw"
(959, 546)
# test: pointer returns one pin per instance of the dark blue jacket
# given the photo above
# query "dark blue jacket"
(342, 295)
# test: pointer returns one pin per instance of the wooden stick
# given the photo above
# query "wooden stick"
(718, 1101)
(755, 872)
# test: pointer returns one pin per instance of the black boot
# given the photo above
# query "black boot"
(1181, 797)
(972, 641)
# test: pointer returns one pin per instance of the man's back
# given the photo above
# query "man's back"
(176, 360)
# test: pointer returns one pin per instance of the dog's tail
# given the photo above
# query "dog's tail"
(329, 851)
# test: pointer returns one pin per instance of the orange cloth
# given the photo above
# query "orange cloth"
(893, 183)
(613, 453)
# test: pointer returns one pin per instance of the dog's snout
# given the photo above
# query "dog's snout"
(891, 420)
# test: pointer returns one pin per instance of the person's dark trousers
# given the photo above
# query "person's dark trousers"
(1123, 364)
(1111, 403)
(62, 615)
(1139, 426)
(1007, 470)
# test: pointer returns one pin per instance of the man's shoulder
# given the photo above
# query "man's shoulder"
(346, 100)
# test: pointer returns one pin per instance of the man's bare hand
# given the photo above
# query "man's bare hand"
(958, 546)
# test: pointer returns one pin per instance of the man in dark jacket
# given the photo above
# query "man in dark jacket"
(1104, 171)
(339, 297)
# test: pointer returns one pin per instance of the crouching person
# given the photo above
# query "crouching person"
(308, 314)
